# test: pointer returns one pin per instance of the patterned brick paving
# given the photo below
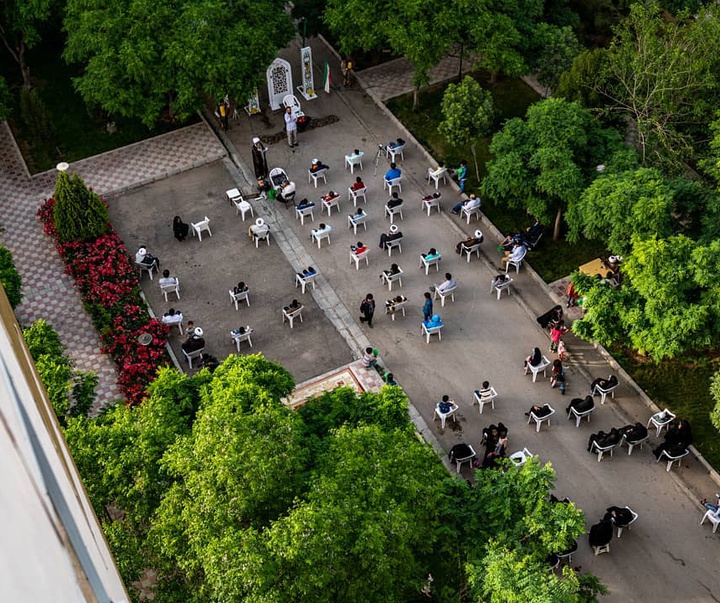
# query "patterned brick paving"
(49, 293)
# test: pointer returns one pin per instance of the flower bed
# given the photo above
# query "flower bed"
(109, 287)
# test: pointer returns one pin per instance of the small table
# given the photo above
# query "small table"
(596, 267)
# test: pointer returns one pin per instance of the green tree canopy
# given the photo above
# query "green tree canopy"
(80, 214)
(141, 57)
(556, 48)
(10, 278)
(20, 29)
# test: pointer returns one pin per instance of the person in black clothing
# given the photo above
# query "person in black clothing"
(634, 433)
(604, 439)
(601, 533)
(677, 439)
(259, 151)
(393, 234)
(367, 307)
(534, 358)
(620, 516)
(550, 318)
(195, 342)
(539, 411)
(603, 383)
(581, 404)
(180, 229)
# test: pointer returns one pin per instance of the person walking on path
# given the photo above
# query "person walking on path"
(291, 127)
(367, 308)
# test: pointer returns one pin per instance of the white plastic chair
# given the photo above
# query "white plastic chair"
(433, 261)
(521, 457)
(431, 331)
(661, 420)
(599, 550)
(300, 214)
(470, 212)
(504, 286)
(395, 308)
(290, 100)
(713, 517)
(437, 175)
(392, 244)
(174, 321)
(389, 184)
(315, 176)
(172, 288)
(190, 356)
(330, 203)
(429, 202)
(628, 524)
(443, 416)
(238, 297)
(536, 369)
(355, 221)
(485, 397)
(579, 416)
(233, 195)
(356, 194)
(305, 280)
(601, 450)
(466, 459)
(450, 291)
(604, 392)
(393, 152)
(468, 250)
(352, 160)
(389, 279)
(319, 235)
(149, 268)
(292, 315)
(358, 257)
(516, 263)
(238, 338)
(540, 420)
(199, 227)
(634, 443)
(261, 232)
(671, 459)
(391, 212)
(243, 207)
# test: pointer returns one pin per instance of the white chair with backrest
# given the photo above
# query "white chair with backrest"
(319, 235)
(392, 152)
(436, 175)
(672, 458)
(290, 100)
(661, 420)
(450, 291)
(233, 195)
(300, 214)
(315, 176)
(483, 397)
(468, 250)
(601, 450)
(358, 257)
(355, 221)
(199, 227)
(605, 391)
(428, 331)
(628, 524)
(171, 288)
(713, 517)
(304, 280)
(190, 356)
(470, 212)
(243, 207)
(580, 415)
(536, 369)
(500, 287)
(460, 461)
(392, 244)
(516, 263)
(356, 194)
(328, 204)
(443, 416)
(429, 202)
(291, 315)
(433, 261)
(540, 420)
(391, 212)
(235, 298)
(389, 279)
(261, 232)
(174, 321)
(521, 457)
(149, 268)
(395, 308)
(632, 443)
(352, 160)
(390, 184)
(238, 337)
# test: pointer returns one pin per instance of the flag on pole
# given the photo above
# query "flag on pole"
(327, 78)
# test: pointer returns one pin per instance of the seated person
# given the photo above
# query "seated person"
(369, 358)
(258, 230)
(539, 411)
(470, 204)
(518, 253)
(180, 229)
(209, 362)
(309, 271)
(393, 234)
(446, 405)
(317, 165)
(194, 342)
(263, 186)
(603, 384)
(241, 287)
(172, 317)
(677, 438)
(294, 306)
(634, 433)
(601, 533)
(392, 173)
(146, 259)
(435, 195)
(581, 405)
(534, 359)
(359, 248)
(241, 331)
(550, 318)
(394, 269)
(620, 516)
(393, 144)
(332, 195)
(389, 379)
(500, 279)
(603, 439)
(286, 192)
(394, 201)
(476, 239)
(714, 507)
(355, 154)
(433, 322)
(167, 280)
(485, 391)
(359, 213)
(305, 204)
(320, 230)
(391, 304)
(459, 451)
(555, 500)
(510, 241)
(430, 255)
(532, 234)
(358, 184)
(448, 283)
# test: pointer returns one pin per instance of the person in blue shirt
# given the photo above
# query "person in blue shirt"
(461, 174)
(428, 307)
(434, 321)
(393, 172)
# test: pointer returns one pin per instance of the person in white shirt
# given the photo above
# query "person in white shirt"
(322, 229)
(144, 257)
(518, 253)
(259, 229)
(167, 280)
(291, 127)
(471, 203)
(448, 283)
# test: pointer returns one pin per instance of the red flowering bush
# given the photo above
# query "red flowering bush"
(108, 283)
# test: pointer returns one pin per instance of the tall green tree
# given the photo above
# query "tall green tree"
(10, 278)
(468, 114)
(20, 29)
(556, 48)
(142, 57)
(80, 214)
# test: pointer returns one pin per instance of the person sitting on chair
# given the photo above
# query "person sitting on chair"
(539, 411)
(146, 259)
(394, 201)
(209, 362)
(603, 384)
(601, 533)
(317, 165)
(533, 233)
(167, 280)
(180, 229)
(359, 248)
(620, 516)
(194, 342)
(518, 253)
(241, 287)
(330, 196)
(435, 195)
(263, 186)
(550, 318)
(359, 213)
(391, 304)
(358, 184)
(430, 255)
(286, 192)
(677, 438)
(322, 229)
(634, 433)
(394, 269)
(603, 440)
(392, 234)
(293, 307)
(393, 144)
(500, 279)
(448, 283)
(484, 391)
(259, 229)
(309, 271)
(470, 204)
(581, 405)
(172, 317)
(534, 359)
(393, 173)
(433, 322)
(305, 204)
(476, 239)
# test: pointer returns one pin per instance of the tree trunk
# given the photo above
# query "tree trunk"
(21, 48)
(477, 168)
(493, 78)
(416, 98)
(558, 220)
(462, 50)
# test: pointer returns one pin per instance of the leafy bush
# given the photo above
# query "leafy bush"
(10, 277)
(71, 392)
(79, 213)
(35, 115)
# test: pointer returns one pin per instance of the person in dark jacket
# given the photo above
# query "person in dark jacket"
(550, 318)
(677, 439)
(180, 229)
(259, 152)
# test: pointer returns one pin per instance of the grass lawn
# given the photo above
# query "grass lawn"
(78, 133)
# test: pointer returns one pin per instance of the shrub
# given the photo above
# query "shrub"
(80, 215)
(10, 278)
(36, 115)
